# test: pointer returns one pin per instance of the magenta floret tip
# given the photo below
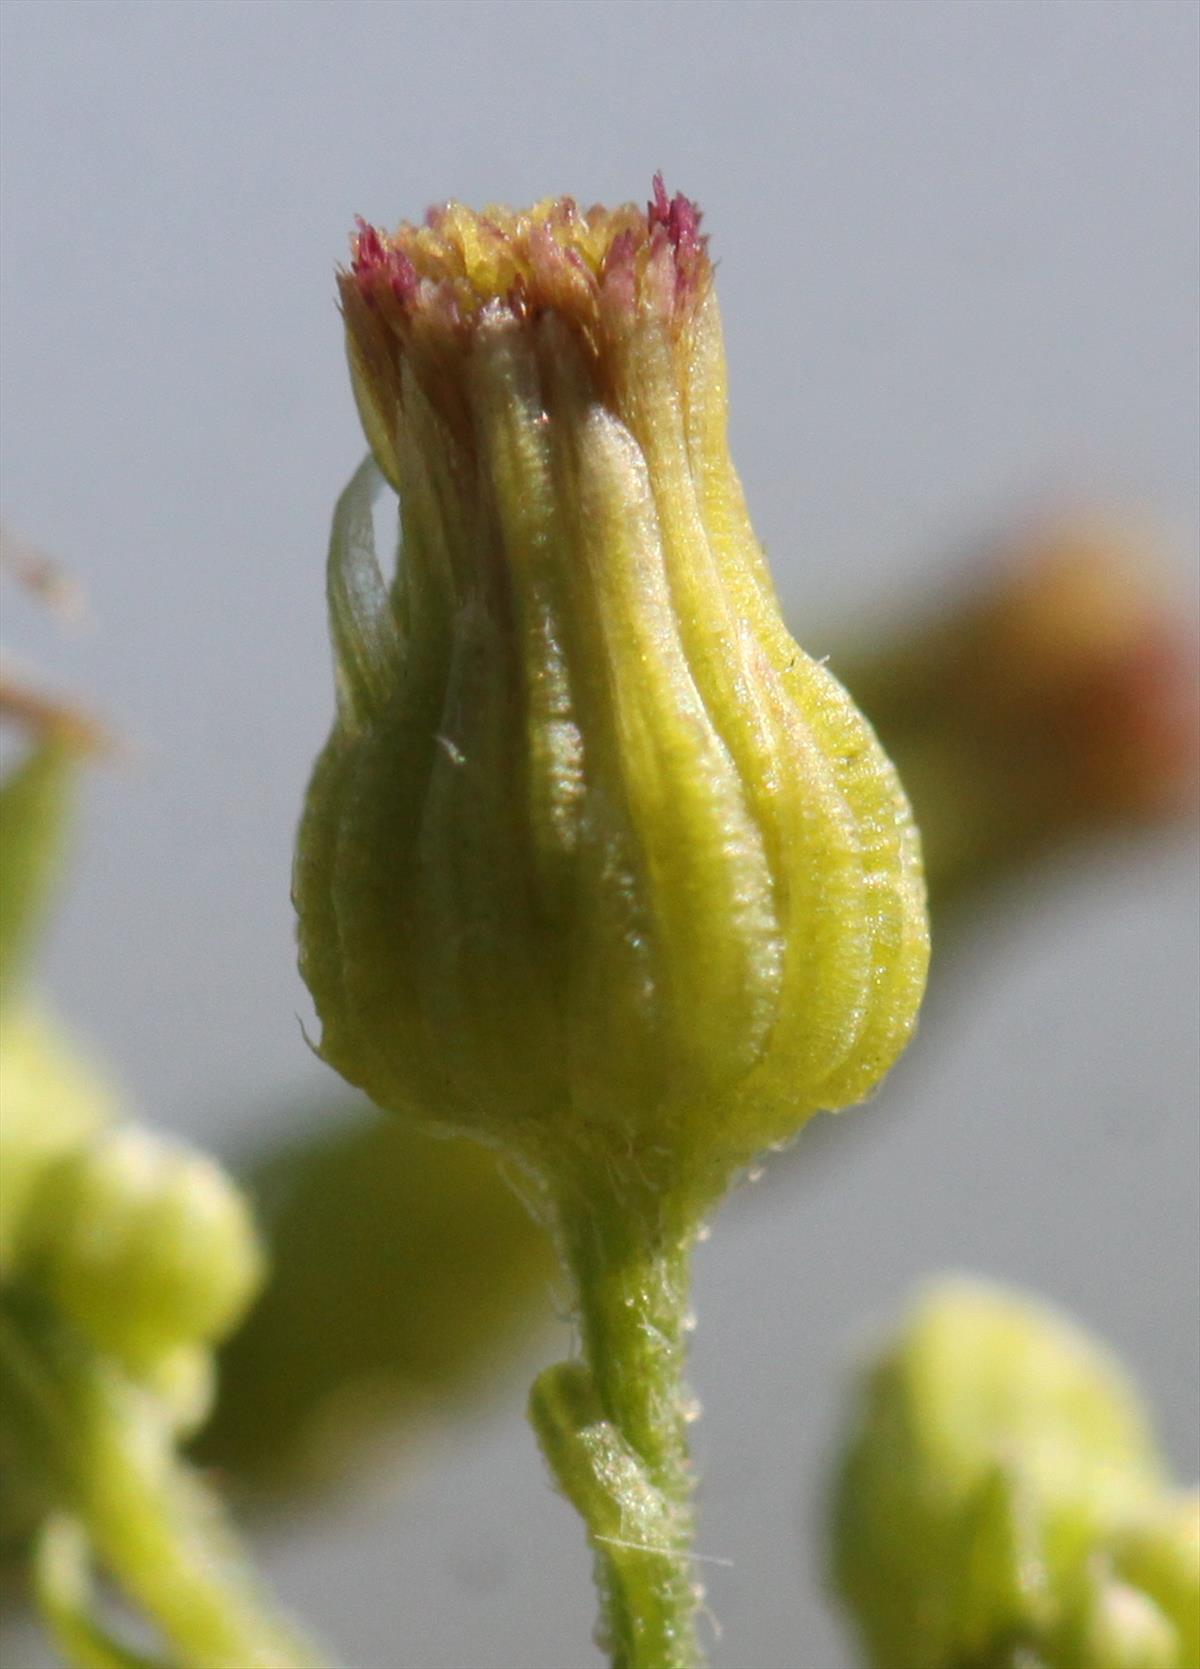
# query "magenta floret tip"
(678, 214)
(374, 257)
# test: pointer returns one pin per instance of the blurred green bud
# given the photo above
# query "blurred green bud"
(597, 863)
(144, 1244)
(995, 1447)
(1159, 1553)
(53, 1100)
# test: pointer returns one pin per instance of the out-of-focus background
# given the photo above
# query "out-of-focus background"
(957, 255)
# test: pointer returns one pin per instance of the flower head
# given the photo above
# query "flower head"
(597, 862)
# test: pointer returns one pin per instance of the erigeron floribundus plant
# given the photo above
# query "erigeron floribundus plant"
(597, 864)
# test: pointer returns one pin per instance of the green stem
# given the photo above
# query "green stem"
(614, 1426)
(108, 1452)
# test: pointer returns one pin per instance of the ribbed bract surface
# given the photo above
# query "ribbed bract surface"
(596, 861)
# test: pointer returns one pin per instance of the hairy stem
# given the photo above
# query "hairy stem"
(613, 1426)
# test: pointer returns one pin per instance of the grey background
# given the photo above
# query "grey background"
(958, 250)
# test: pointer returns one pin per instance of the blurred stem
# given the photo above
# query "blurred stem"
(613, 1426)
(63, 1584)
(34, 800)
(109, 1453)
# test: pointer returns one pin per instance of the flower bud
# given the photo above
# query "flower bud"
(597, 863)
(1093, 663)
(1048, 697)
(994, 1449)
(144, 1244)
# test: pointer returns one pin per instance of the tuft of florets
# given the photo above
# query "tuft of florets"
(418, 297)
(553, 256)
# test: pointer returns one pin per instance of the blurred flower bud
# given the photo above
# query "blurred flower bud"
(597, 863)
(1089, 651)
(144, 1244)
(1059, 695)
(995, 1450)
